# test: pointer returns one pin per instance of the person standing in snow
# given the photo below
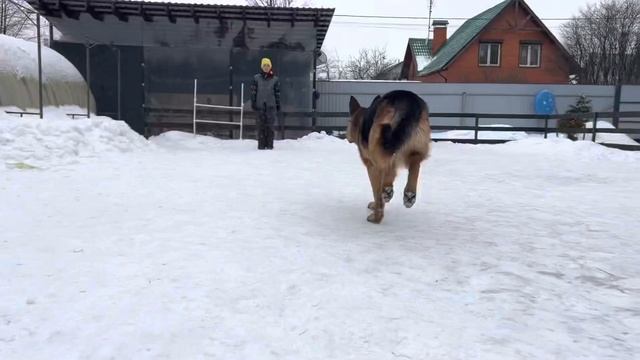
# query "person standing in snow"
(265, 99)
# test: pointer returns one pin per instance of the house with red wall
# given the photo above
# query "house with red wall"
(507, 43)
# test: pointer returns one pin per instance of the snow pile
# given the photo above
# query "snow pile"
(180, 141)
(20, 57)
(318, 138)
(622, 139)
(57, 139)
(519, 135)
(567, 149)
(484, 135)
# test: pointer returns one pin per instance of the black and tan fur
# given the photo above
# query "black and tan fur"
(393, 132)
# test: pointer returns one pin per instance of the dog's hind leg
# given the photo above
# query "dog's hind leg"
(387, 184)
(372, 204)
(377, 179)
(410, 191)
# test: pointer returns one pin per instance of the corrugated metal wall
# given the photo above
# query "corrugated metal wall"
(630, 101)
(470, 98)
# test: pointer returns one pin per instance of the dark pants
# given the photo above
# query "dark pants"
(266, 121)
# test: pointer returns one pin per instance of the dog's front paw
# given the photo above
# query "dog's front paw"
(371, 205)
(409, 199)
(387, 193)
(375, 217)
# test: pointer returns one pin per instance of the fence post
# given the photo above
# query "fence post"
(546, 125)
(475, 135)
(241, 109)
(40, 100)
(88, 71)
(195, 95)
(595, 126)
(616, 105)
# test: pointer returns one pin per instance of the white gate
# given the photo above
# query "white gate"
(196, 106)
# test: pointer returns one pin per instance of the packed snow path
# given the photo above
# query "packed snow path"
(198, 248)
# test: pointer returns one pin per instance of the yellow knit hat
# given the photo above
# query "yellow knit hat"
(265, 61)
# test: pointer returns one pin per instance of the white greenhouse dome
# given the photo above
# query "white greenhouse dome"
(63, 84)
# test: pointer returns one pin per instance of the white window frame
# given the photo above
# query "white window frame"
(529, 46)
(490, 44)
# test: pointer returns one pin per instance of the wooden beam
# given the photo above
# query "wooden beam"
(195, 17)
(144, 15)
(118, 14)
(172, 19)
(68, 13)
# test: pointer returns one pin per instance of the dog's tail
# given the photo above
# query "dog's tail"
(390, 142)
(408, 115)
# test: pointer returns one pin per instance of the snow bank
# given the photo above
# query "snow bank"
(484, 135)
(56, 139)
(316, 138)
(609, 138)
(519, 135)
(178, 140)
(565, 148)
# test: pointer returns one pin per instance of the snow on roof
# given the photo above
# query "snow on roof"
(422, 61)
(20, 57)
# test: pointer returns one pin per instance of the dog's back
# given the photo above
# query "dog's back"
(409, 109)
(402, 118)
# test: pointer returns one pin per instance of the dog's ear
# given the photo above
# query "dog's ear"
(376, 99)
(354, 106)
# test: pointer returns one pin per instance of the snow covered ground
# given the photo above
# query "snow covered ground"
(197, 248)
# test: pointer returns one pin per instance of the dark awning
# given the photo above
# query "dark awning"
(142, 23)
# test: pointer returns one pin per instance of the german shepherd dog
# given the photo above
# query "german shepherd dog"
(393, 132)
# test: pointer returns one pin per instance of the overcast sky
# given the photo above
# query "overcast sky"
(347, 35)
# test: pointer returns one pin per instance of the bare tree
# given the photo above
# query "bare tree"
(18, 20)
(13, 19)
(368, 64)
(333, 68)
(604, 40)
(275, 3)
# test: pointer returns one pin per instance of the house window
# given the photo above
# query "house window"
(530, 55)
(490, 54)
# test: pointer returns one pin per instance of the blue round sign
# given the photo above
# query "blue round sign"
(545, 103)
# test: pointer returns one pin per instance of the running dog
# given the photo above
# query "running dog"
(393, 132)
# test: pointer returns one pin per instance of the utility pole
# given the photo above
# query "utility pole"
(40, 100)
(429, 21)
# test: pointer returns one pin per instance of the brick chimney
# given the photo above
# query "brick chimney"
(439, 35)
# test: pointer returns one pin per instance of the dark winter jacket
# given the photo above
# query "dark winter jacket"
(265, 91)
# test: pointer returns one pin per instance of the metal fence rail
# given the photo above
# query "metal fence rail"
(546, 128)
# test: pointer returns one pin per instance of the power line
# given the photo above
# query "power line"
(406, 26)
(469, 18)
(423, 17)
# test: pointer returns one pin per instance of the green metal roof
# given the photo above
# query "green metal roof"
(421, 49)
(462, 37)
